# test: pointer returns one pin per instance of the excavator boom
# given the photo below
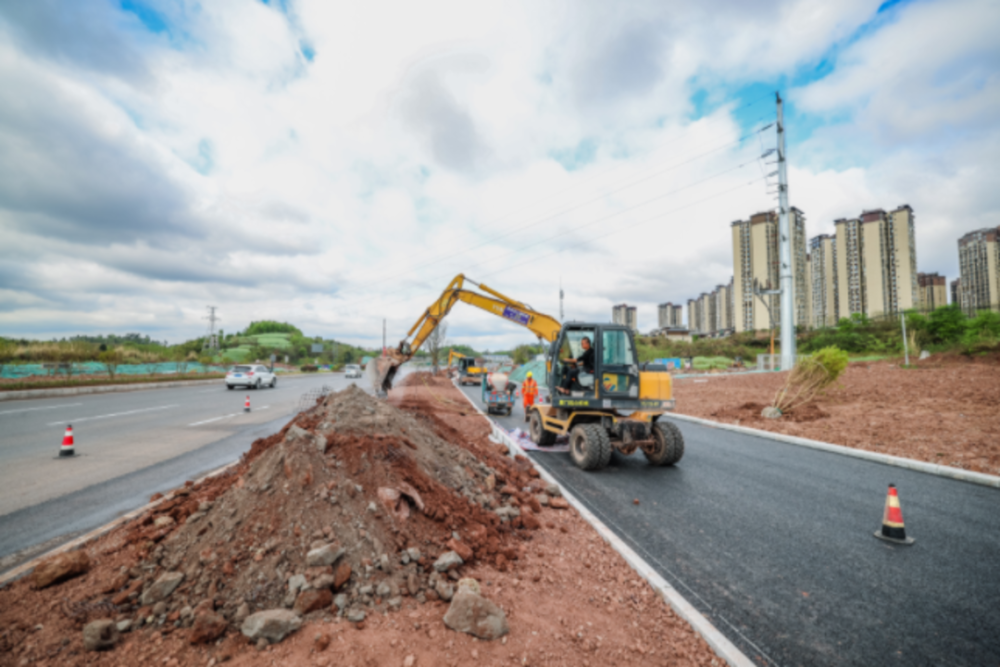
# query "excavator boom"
(543, 326)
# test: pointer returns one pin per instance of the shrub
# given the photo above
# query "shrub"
(811, 375)
(308, 368)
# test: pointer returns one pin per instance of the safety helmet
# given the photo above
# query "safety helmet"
(529, 374)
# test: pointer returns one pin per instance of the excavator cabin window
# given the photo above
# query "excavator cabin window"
(571, 347)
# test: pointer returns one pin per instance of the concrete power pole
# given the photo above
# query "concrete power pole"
(785, 250)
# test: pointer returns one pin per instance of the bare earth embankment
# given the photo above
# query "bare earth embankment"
(944, 411)
(363, 533)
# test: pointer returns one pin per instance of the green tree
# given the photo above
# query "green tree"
(205, 360)
(111, 359)
(946, 324)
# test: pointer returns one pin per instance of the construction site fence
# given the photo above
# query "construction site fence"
(15, 371)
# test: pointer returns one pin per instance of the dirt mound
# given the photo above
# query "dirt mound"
(750, 412)
(352, 475)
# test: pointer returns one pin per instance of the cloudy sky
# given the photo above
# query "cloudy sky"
(332, 164)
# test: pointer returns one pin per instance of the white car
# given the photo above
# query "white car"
(352, 371)
(251, 377)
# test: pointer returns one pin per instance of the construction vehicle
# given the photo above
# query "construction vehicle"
(616, 408)
(469, 371)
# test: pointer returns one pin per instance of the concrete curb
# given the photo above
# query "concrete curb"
(97, 389)
(723, 648)
(108, 388)
(980, 478)
(24, 568)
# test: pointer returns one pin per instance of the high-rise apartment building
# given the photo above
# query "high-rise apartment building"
(933, 291)
(693, 307)
(876, 263)
(756, 257)
(723, 296)
(625, 314)
(979, 263)
(823, 270)
(707, 313)
(956, 286)
(670, 316)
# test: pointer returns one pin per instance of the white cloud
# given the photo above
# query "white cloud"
(233, 171)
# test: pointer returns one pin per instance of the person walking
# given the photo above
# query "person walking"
(529, 390)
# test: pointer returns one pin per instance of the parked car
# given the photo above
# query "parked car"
(352, 371)
(251, 377)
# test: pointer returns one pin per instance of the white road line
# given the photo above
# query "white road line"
(215, 419)
(115, 414)
(51, 407)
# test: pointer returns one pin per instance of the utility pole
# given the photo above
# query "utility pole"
(562, 318)
(785, 250)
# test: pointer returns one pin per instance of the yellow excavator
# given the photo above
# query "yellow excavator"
(616, 405)
(468, 371)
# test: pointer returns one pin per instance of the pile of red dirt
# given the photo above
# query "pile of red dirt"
(342, 512)
(942, 410)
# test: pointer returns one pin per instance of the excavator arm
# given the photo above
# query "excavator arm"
(453, 355)
(543, 326)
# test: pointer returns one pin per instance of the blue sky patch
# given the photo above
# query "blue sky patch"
(153, 21)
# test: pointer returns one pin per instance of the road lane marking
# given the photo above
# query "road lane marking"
(215, 419)
(51, 407)
(114, 414)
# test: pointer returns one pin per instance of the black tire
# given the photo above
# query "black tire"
(589, 446)
(671, 444)
(510, 411)
(539, 435)
(229, 386)
(256, 385)
(274, 382)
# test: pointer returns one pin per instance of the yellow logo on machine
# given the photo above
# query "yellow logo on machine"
(573, 403)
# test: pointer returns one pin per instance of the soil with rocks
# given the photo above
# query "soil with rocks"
(943, 410)
(350, 538)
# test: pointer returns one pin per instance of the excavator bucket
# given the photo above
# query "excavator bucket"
(380, 372)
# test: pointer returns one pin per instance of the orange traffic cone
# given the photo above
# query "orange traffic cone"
(67, 448)
(246, 406)
(892, 522)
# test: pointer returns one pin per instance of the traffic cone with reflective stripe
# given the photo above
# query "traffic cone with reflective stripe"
(67, 448)
(892, 522)
(246, 406)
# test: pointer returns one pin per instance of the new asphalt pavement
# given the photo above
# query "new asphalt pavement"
(774, 544)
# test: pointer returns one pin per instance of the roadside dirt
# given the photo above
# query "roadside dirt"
(943, 411)
(241, 540)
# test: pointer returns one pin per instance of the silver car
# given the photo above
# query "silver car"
(251, 377)
(352, 371)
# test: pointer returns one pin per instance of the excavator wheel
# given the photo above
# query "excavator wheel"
(539, 435)
(589, 446)
(670, 443)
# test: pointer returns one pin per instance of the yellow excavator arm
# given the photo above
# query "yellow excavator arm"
(545, 327)
(453, 355)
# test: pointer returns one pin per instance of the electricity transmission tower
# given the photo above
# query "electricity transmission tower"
(212, 340)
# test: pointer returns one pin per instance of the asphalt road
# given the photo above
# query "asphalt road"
(773, 543)
(129, 445)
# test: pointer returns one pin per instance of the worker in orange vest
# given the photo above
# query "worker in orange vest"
(529, 390)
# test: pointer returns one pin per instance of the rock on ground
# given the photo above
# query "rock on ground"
(271, 624)
(323, 556)
(449, 560)
(475, 615)
(313, 600)
(100, 635)
(60, 568)
(162, 588)
(207, 627)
